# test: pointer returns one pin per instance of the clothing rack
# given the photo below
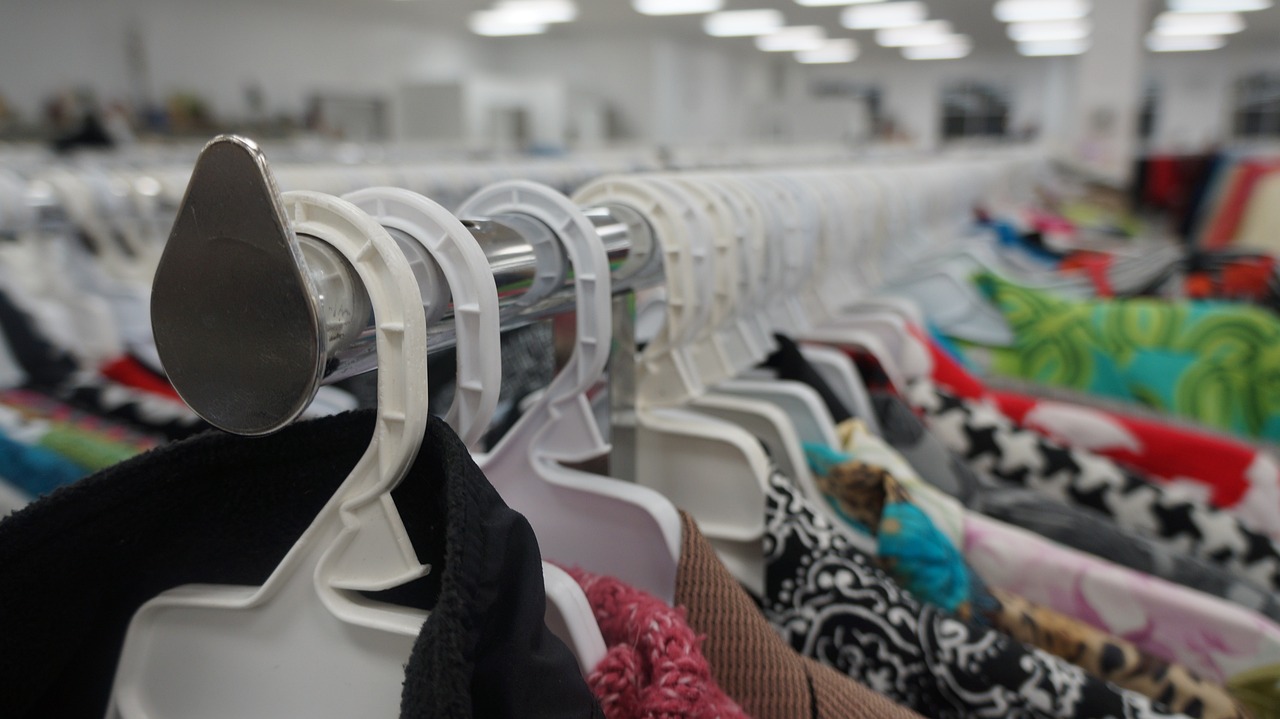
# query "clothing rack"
(212, 333)
(332, 338)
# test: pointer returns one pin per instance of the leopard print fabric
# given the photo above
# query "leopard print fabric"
(860, 492)
(1111, 659)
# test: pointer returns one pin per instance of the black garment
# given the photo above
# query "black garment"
(790, 364)
(44, 364)
(222, 509)
(145, 412)
(831, 603)
(91, 133)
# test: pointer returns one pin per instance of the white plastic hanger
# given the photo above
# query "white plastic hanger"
(801, 404)
(570, 510)
(714, 470)
(773, 426)
(423, 225)
(475, 297)
(306, 643)
(765, 410)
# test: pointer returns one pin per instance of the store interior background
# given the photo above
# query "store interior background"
(389, 71)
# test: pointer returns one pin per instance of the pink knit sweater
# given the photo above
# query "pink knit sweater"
(654, 668)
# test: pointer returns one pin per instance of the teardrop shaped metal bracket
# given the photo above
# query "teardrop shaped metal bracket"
(235, 312)
(250, 318)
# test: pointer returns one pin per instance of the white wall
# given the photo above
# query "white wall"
(218, 48)
(911, 91)
(1196, 94)
(617, 71)
(664, 90)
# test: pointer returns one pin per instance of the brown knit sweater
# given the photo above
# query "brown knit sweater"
(751, 663)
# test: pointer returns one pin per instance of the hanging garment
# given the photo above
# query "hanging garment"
(654, 666)
(999, 451)
(1079, 529)
(790, 364)
(1260, 226)
(1111, 659)
(34, 407)
(1211, 362)
(1226, 471)
(220, 509)
(946, 513)
(926, 563)
(1212, 638)
(749, 660)
(922, 559)
(1233, 276)
(35, 471)
(830, 603)
(141, 410)
(1226, 225)
(42, 363)
(84, 446)
(130, 372)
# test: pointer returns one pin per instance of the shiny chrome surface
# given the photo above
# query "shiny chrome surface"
(250, 319)
(235, 313)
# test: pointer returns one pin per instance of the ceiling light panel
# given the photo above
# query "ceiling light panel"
(1198, 23)
(832, 51)
(1219, 5)
(676, 7)
(1035, 10)
(491, 23)
(1184, 43)
(1051, 48)
(884, 15)
(537, 12)
(954, 49)
(932, 32)
(1047, 30)
(830, 3)
(793, 39)
(743, 23)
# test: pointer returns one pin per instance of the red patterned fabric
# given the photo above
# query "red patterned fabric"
(1232, 475)
(1225, 224)
(132, 373)
(654, 667)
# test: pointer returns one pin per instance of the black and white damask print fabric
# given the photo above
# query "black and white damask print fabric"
(832, 604)
(1002, 452)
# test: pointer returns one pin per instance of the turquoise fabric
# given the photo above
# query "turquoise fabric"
(35, 470)
(916, 553)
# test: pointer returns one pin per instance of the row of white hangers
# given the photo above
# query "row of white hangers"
(744, 254)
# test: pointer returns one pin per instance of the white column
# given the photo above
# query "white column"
(1108, 91)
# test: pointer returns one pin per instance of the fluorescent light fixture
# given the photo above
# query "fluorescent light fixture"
(1184, 43)
(535, 12)
(832, 51)
(1219, 5)
(793, 39)
(829, 3)
(1051, 48)
(957, 47)
(1198, 23)
(743, 23)
(1034, 10)
(932, 32)
(676, 7)
(492, 23)
(882, 15)
(1046, 30)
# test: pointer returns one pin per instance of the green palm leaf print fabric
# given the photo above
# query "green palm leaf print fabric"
(1214, 362)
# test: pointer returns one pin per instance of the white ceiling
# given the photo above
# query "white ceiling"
(612, 17)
